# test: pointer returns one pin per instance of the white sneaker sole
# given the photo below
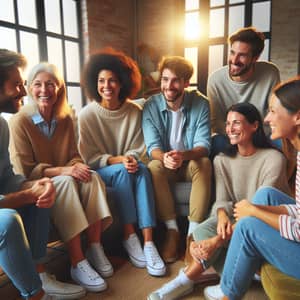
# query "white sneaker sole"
(156, 272)
(91, 288)
(60, 296)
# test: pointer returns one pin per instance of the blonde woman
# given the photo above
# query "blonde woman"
(43, 144)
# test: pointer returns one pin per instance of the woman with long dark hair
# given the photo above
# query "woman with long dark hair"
(268, 227)
(249, 162)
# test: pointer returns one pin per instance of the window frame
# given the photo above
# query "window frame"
(42, 35)
(204, 41)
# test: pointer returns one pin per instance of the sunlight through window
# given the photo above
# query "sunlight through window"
(192, 26)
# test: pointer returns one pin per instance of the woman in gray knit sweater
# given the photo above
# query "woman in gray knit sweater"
(249, 163)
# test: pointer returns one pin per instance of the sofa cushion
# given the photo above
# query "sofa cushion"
(279, 286)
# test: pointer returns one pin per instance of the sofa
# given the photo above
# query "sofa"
(279, 286)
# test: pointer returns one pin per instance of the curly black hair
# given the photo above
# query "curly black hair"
(124, 67)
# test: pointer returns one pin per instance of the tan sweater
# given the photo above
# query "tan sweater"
(104, 133)
(32, 152)
(239, 177)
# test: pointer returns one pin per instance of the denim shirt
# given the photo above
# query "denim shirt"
(157, 122)
(43, 126)
(9, 181)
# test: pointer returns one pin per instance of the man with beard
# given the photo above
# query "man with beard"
(176, 130)
(244, 79)
(24, 205)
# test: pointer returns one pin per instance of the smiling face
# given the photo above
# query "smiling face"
(12, 92)
(109, 88)
(44, 91)
(241, 61)
(239, 130)
(172, 86)
(282, 123)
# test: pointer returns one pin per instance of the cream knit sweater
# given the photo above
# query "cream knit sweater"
(104, 133)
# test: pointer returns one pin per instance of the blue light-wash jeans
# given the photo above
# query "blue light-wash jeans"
(17, 253)
(133, 193)
(254, 242)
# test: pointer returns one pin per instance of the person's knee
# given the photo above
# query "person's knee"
(65, 180)
(247, 225)
(10, 222)
(262, 195)
(156, 166)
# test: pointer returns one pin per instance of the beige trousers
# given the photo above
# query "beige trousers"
(78, 205)
(198, 172)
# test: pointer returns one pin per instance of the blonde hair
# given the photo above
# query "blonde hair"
(61, 106)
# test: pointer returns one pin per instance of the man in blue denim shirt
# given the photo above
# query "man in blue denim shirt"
(176, 127)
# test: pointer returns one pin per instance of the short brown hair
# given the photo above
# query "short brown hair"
(251, 36)
(177, 64)
(9, 60)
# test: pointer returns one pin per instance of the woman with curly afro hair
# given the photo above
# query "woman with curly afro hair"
(111, 142)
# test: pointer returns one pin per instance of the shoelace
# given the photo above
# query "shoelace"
(133, 240)
(84, 267)
(153, 255)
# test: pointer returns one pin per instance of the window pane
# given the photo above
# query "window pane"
(26, 13)
(30, 48)
(261, 15)
(191, 54)
(52, 15)
(216, 3)
(74, 97)
(191, 4)
(216, 22)
(192, 26)
(215, 61)
(7, 11)
(265, 53)
(70, 18)
(72, 61)
(236, 1)
(236, 18)
(8, 38)
(55, 55)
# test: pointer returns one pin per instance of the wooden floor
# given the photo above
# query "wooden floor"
(127, 283)
(130, 283)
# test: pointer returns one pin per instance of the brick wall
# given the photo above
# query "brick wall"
(109, 23)
(155, 27)
(285, 36)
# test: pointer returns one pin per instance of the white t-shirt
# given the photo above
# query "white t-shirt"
(176, 141)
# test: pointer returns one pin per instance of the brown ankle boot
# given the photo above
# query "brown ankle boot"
(170, 247)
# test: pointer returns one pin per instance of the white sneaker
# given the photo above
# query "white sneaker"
(87, 277)
(172, 290)
(213, 292)
(48, 297)
(60, 290)
(135, 252)
(97, 258)
(155, 265)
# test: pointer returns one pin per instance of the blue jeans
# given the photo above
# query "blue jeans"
(36, 223)
(254, 242)
(15, 256)
(133, 193)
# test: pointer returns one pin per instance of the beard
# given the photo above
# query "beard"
(11, 105)
(173, 98)
(242, 70)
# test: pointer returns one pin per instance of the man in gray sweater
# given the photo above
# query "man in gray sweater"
(244, 79)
